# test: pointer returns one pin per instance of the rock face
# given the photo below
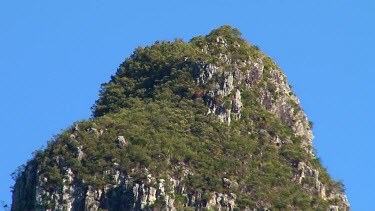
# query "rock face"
(233, 82)
(127, 193)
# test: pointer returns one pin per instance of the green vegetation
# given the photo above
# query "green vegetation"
(153, 102)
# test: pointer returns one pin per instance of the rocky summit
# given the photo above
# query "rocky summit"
(209, 124)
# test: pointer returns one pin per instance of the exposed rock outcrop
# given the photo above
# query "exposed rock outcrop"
(126, 193)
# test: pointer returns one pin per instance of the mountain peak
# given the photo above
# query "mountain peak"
(208, 124)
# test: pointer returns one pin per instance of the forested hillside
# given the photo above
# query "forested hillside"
(209, 124)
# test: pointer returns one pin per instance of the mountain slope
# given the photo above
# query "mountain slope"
(208, 124)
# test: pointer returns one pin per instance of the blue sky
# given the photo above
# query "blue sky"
(55, 54)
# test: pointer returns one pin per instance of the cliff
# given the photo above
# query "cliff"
(208, 124)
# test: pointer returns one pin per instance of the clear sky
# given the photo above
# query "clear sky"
(55, 54)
